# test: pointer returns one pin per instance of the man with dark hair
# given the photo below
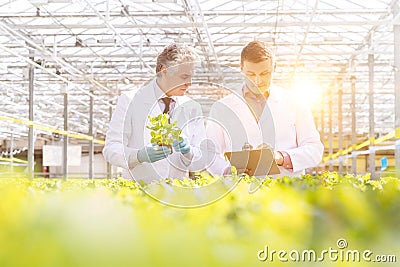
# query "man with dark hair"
(264, 114)
(128, 140)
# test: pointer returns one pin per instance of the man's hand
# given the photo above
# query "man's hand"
(278, 157)
(153, 153)
(182, 146)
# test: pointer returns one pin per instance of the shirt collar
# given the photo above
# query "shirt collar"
(159, 93)
(247, 93)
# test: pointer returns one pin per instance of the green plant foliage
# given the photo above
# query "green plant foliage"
(112, 222)
(162, 132)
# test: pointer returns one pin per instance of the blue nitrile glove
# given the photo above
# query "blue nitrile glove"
(182, 146)
(153, 153)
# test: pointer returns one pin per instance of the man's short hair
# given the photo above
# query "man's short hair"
(175, 54)
(255, 52)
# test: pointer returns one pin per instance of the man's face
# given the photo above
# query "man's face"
(177, 79)
(258, 75)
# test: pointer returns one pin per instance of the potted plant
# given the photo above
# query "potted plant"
(162, 132)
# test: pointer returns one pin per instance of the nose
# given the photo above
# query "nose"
(189, 82)
(258, 80)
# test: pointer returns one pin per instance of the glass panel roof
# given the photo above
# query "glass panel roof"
(110, 46)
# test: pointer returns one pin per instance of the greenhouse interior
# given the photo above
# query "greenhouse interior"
(72, 59)
(65, 65)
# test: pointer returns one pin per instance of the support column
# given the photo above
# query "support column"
(353, 125)
(11, 153)
(330, 128)
(396, 31)
(340, 124)
(109, 166)
(91, 143)
(371, 108)
(31, 145)
(322, 124)
(65, 137)
(322, 131)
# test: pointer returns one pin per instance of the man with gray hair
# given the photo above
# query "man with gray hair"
(128, 140)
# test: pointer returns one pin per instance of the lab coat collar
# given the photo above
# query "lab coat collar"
(246, 91)
(274, 95)
(149, 94)
(152, 93)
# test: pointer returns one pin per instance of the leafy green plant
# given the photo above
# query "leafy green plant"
(162, 131)
(112, 222)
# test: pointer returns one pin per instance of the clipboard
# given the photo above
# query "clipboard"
(261, 161)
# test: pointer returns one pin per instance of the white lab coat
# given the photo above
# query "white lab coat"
(127, 134)
(284, 124)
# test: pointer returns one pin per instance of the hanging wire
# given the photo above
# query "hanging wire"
(275, 36)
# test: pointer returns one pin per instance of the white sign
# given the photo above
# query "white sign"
(52, 155)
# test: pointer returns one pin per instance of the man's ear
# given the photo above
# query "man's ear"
(163, 70)
(274, 66)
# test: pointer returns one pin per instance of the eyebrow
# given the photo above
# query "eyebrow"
(265, 71)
